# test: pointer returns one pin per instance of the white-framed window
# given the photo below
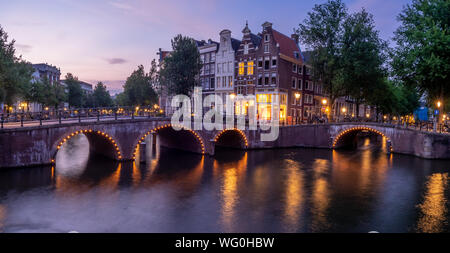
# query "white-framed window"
(218, 82)
(246, 49)
(294, 83)
(300, 84)
(294, 67)
(274, 62)
(213, 57)
(266, 48)
(266, 38)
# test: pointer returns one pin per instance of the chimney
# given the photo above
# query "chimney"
(295, 37)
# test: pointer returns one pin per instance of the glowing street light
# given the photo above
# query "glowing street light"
(344, 110)
(232, 95)
(324, 101)
(438, 104)
(297, 95)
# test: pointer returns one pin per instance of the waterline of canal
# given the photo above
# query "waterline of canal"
(280, 190)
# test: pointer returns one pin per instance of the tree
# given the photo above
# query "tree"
(321, 33)
(362, 55)
(101, 97)
(75, 93)
(395, 98)
(181, 68)
(15, 73)
(421, 58)
(121, 100)
(138, 89)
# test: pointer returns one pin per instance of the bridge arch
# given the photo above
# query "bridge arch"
(171, 138)
(231, 137)
(99, 142)
(350, 133)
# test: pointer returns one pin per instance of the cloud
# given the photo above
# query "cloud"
(122, 6)
(23, 47)
(116, 60)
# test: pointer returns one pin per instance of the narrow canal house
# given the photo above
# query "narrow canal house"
(245, 65)
(269, 66)
(207, 76)
(225, 58)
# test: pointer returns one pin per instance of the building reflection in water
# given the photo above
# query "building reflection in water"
(433, 209)
(281, 190)
(232, 174)
(320, 195)
(2, 217)
(293, 196)
(359, 172)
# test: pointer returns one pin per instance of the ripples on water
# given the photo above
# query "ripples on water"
(280, 190)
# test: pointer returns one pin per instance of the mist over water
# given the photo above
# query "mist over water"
(279, 190)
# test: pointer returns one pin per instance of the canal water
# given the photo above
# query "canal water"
(278, 190)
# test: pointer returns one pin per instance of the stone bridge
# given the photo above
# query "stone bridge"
(119, 139)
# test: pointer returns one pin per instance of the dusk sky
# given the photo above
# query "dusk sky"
(105, 40)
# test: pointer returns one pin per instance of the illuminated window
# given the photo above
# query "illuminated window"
(264, 98)
(241, 68)
(250, 68)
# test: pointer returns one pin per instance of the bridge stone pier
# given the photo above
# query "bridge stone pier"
(120, 139)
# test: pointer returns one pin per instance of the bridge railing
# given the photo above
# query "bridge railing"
(426, 126)
(66, 115)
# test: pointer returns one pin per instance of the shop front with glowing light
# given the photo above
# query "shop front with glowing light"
(265, 105)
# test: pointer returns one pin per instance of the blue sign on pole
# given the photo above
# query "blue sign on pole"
(436, 112)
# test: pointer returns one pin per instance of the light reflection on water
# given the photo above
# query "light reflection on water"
(281, 190)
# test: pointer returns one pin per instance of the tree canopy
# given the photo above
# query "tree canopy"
(422, 55)
(75, 93)
(181, 68)
(15, 73)
(321, 32)
(139, 88)
(101, 97)
(362, 58)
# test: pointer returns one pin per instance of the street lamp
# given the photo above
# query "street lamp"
(438, 104)
(232, 95)
(297, 95)
(344, 110)
(324, 101)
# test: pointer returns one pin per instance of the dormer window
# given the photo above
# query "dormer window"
(266, 38)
